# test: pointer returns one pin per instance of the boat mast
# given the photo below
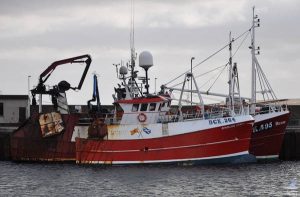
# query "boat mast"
(234, 86)
(265, 87)
(132, 85)
(231, 96)
(132, 50)
(255, 23)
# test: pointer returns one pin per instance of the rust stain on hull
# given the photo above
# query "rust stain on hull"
(28, 143)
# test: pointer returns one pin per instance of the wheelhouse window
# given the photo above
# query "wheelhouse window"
(159, 108)
(169, 103)
(152, 106)
(144, 107)
(1, 109)
(135, 107)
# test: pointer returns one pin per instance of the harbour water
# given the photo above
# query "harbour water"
(40, 179)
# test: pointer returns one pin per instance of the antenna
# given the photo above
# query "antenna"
(132, 49)
(116, 65)
(155, 85)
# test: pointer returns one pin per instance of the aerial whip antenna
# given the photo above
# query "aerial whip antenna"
(132, 49)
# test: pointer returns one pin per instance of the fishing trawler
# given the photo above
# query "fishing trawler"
(144, 130)
(47, 135)
(271, 115)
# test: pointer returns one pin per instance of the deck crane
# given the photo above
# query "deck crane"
(57, 90)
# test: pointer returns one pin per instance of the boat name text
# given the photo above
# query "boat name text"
(222, 121)
(280, 123)
(262, 127)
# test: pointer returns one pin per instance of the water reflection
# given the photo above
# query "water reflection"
(270, 179)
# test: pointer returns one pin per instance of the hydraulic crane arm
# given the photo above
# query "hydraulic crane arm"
(79, 59)
(63, 85)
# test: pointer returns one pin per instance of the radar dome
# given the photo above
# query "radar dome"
(145, 60)
(123, 70)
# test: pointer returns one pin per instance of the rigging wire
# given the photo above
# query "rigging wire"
(262, 85)
(272, 93)
(241, 44)
(209, 71)
(228, 62)
(224, 66)
(209, 56)
(200, 75)
(217, 78)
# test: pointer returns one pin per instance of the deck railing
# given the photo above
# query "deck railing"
(216, 113)
(212, 113)
(271, 107)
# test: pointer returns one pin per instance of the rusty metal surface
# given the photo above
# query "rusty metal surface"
(98, 129)
(28, 143)
(51, 124)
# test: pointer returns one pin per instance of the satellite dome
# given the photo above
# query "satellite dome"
(123, 70)
(145, 60)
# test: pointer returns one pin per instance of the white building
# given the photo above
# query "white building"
(13, 108)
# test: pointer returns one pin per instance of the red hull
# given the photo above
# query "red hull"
(216, 143)
(27, 143)
(267, 138)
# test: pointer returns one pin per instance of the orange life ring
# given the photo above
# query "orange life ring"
(142, 117)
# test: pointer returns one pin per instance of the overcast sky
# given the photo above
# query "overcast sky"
(35, 33)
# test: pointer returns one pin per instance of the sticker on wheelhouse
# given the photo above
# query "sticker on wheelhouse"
(222, 121)
(262, 127)
(136, 130)
(146, 130)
